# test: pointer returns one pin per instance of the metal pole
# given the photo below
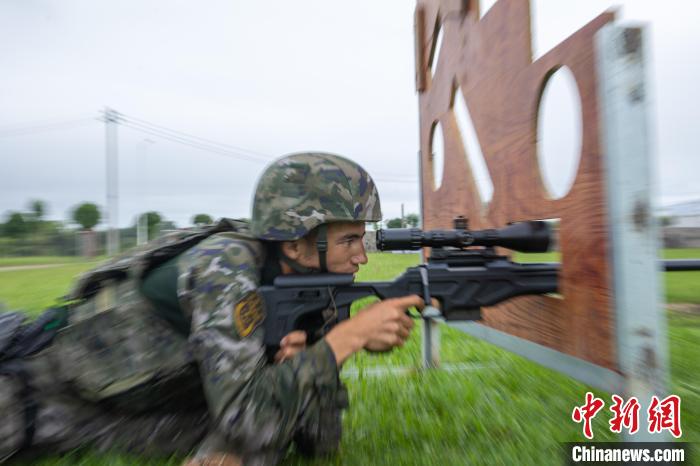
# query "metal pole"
(430, 343)
(639, 315)
(112, 167)
(431, 338)
(142, 220)
(141, 229)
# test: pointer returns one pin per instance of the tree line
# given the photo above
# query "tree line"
(29, 232)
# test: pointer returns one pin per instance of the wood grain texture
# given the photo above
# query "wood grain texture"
(490, 61)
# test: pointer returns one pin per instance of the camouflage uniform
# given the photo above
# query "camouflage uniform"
(121, 376)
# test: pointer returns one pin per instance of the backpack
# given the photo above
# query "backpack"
(137, 262)
(115, 347)
(19, 338)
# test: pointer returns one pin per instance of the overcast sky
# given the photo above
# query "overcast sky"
(271, 78)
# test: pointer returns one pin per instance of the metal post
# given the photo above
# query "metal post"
(142, 220)
(112, 168)
(431, 338)
(141, 229)
(430, 343)
(640, 320)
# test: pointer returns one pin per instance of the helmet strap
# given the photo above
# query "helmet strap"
(294, 265)
(322, 246)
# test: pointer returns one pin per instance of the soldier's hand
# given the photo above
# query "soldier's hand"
(380, 327)
(293, 343)
(386, 323)
(216, 459)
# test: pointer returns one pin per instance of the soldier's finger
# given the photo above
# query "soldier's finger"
(404, 333)
(217, 459)
(407, 301)
(408, 322)
(296, 337)
(283, 354)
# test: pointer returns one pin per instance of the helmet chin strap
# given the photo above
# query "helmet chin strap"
(296, 266)
(321, 247)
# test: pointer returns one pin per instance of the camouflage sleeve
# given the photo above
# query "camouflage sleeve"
(256, 405)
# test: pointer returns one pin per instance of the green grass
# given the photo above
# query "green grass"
(687, 253)
(385, 266)
(506, 411)
(35, 289)
(41, 260)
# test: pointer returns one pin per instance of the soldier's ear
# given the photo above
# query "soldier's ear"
(292, 249)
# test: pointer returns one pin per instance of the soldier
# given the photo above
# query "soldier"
(160, 350)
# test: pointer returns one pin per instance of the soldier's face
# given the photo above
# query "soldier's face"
(346, 250)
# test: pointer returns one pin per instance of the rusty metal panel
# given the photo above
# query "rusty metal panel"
(490, 61)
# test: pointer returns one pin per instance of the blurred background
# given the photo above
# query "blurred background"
(155, 115)
(191, 100)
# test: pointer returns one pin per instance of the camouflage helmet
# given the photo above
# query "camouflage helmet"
(298, 192)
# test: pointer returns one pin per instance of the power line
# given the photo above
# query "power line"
(191, 143)
(181, 137)
(50, 127)
(187, 135)
(42, 122)
(209, 145)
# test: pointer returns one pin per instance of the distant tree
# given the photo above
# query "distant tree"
(666, 221)
(87, 215)
(153, 220)
(412, 220)
(202, 219)
(35, 216)
(38, 209)
(155, 223)
(16, 226)
(394, 223)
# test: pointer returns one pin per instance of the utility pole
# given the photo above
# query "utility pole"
(403, 221)
(141, 229)
(142, 220)
(112, 167)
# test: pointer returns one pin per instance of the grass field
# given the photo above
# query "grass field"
(40, 260)
(501, 409)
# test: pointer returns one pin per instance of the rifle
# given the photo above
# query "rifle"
(463, 280)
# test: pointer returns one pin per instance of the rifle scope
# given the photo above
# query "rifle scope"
(530, 236)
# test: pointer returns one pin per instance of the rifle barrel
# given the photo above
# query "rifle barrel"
(681, 265)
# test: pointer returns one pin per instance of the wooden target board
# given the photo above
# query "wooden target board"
(489, 60)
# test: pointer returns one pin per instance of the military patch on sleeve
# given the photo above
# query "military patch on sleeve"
(248, 313)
